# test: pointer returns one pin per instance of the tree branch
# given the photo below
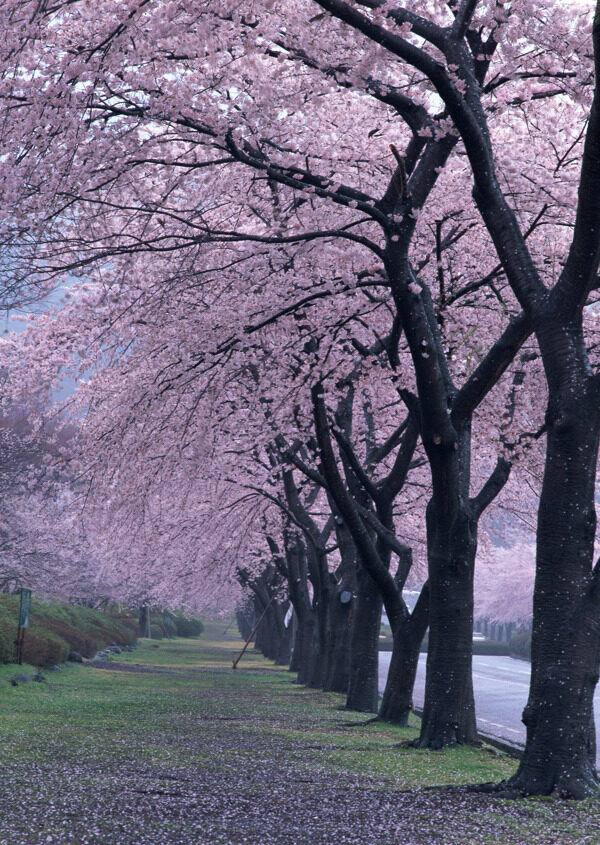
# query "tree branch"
(492, 367)
(347, 508)
(392, 484)
(579, 273)
(491, 488)
(355, 464)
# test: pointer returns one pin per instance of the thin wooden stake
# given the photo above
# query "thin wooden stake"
(255, 629)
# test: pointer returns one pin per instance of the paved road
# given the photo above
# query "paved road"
(501, 685)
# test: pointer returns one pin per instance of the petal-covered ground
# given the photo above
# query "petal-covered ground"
(170, 746)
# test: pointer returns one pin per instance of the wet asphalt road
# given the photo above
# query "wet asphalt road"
(501, 685)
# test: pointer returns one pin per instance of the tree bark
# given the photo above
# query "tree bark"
(144, 620)
(363, 687)
(338, 651)
(245, 619)
(449, 709)
(397, 700)
(301, 661)
(559, 754)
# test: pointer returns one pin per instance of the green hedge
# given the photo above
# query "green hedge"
(7, 648)
(166, 624)
(43, 648)
(489, 647)
(520, 645)
(56, 628)
(188, 627)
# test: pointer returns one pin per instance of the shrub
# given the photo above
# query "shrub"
(42, 648)
(7, 649)
(520, 645)
(188, 627)
(491, 647)
(77, 639)
(57, 628)
(156, 632)
(169, 625)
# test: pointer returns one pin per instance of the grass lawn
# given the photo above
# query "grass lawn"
(169, 745)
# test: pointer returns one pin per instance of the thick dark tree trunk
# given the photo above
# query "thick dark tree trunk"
(319, 662)
(338, 652)
(280, 635)
(322, 585)
(364, 646)
(284, 649)
(449, 708)
(296, 656)
(301, 658)
(263, 639)
(363, 684)
(408, 636)
(341, 611)
(313, 564)
(304, 649)
(559, 754)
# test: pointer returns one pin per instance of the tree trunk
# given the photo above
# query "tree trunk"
(284, 645)
(449, 709)
(408, 636)
(363, 688)
(263, 639)
(295, 661)
(303, 649)
(341, 611)
(321, 610)
(245, 619)
(559, 753)
(338, 652)
(144, 619)
(296, 560)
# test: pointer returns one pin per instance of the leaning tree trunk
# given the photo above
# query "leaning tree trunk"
(559, 753)
(408, 635)
(449, 709)
(296, 564)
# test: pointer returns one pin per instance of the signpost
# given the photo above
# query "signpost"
(24, 608)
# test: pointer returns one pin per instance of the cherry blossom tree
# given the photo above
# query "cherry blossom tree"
(564, 673)
(147, 151)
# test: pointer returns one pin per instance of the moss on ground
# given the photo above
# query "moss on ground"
(168, 744)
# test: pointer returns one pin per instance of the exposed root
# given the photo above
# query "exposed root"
(434, 744)
(575, 788)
